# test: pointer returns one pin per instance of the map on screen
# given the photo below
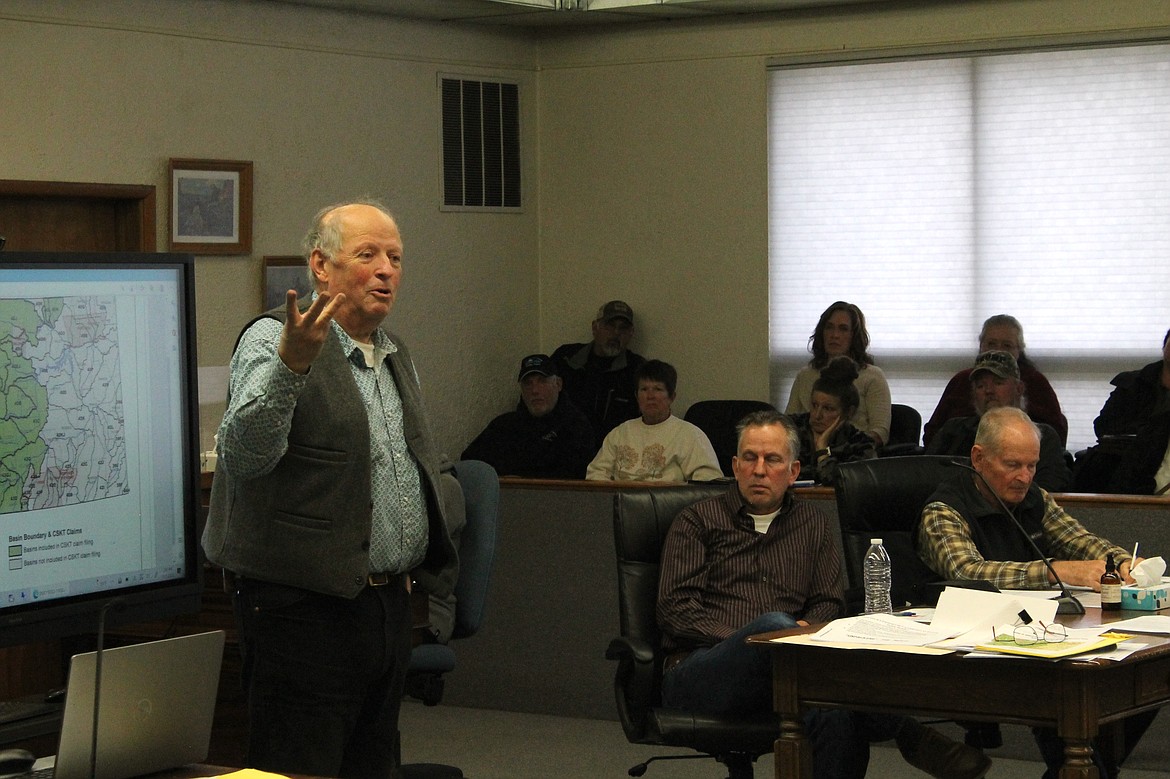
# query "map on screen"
(63, 430)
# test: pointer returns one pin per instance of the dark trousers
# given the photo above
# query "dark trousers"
(733, 677)
(324, 677)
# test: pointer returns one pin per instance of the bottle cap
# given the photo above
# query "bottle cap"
(875, 541)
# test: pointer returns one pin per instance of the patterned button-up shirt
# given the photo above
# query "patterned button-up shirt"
(253, 436)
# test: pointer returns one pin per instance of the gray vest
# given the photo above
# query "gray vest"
(307, 522)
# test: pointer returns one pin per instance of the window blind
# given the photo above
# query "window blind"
(934, 193)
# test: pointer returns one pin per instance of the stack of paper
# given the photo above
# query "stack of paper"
(963, 620)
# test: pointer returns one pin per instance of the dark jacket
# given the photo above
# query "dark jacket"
(1134, 399)
(1133, 431)
(558, 445)
(848, 444)
(604, 388)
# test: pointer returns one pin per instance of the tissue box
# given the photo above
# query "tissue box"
(1153, 598)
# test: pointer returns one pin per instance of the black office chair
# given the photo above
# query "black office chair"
(640, 521)
(883, 498)
(905, 432)
(477, 551)
(718, 418)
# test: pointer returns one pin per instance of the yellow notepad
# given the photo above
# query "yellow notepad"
(1057, 649)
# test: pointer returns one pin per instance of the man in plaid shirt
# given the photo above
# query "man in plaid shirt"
(965, 535)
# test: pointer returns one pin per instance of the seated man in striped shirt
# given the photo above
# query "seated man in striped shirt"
(756, 560)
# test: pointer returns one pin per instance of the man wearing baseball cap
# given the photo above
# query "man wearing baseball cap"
(545, 437)
(995, 382)
(599, 375)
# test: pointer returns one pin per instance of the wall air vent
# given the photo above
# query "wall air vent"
(481, 145)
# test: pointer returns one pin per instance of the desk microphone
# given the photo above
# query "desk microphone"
(1066, 603)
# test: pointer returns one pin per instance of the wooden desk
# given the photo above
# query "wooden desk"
(1074, 697)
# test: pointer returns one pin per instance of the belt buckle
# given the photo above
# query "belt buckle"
(380, 579)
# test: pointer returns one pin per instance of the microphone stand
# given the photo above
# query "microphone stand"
(1066, 603)
(97, 684)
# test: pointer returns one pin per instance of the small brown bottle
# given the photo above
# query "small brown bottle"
(1110, 586)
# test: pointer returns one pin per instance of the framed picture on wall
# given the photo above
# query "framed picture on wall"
(281, 274)
(211, 206)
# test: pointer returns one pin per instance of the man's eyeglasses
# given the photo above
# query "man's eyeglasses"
(1029, 634)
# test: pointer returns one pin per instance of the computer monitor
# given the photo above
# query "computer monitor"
(99, 468)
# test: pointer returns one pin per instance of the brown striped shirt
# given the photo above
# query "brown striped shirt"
(718, 573)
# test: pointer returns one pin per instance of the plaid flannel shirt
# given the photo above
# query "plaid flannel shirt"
(945, 545)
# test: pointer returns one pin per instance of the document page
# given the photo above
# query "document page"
(879, 629)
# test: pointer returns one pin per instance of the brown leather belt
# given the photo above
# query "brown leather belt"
(381, 579)
(672, 660)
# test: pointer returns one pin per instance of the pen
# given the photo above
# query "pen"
(906, 614)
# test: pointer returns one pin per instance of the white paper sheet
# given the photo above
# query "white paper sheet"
(878, 629)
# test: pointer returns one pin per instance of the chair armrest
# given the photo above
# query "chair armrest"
(637, 651)
(635, 684)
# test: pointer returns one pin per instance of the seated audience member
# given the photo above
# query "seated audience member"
(995, 383)
(964, 535)
(757, 559)
(658, 446)
(826, 436)
(599, 375)
(1001, 333)
(545, 437)
(1133, 429)
(841, 332)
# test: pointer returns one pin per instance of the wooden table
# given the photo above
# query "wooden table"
(1074, 697)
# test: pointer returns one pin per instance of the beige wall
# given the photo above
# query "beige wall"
(327, 107)
(645, 158)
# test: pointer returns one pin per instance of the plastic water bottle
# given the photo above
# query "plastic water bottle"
(876, 573)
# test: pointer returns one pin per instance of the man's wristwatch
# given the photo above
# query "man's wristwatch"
(826, 452)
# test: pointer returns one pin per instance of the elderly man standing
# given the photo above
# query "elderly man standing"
(995, 383)
(545, 437)
(965, 535)
(599, 375)
(326, 501)
(754, 560)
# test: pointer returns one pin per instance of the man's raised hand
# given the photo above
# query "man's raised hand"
(304, 334)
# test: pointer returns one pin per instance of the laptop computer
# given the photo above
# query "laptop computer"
(156, 708)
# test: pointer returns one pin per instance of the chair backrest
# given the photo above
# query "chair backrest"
(477, 544)
(884, 498)
(905, 425)
(718, 418)
(640, 520)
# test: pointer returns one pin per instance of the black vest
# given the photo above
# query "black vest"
(307, 522)
(995, 535)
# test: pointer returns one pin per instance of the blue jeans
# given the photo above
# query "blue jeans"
(734, 677)
(324, 677)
